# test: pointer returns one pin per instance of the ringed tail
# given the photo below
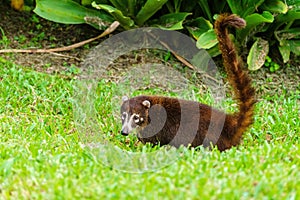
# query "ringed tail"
(238, 79)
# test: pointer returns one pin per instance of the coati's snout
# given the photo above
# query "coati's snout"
(133, 116)
(124, 132)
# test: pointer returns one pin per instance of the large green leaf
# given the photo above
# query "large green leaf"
(149, 9)
(245, 7)
(293, 33)
(132, 7)
(281, 19)
(253, 21)
(207, 40)
(288, 18)
(125, 21)
(257, 54)
(198, 27)
(67, 12)
(172, 21)
(276, 6)
(285, 52)
(294, 46)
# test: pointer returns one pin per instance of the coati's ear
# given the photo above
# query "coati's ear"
(146, 103)
(124, 98)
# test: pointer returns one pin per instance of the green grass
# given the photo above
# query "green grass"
(42, 157)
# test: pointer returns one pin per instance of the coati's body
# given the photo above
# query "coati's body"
(178, 122)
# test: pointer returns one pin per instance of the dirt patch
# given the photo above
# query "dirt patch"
(26, 30)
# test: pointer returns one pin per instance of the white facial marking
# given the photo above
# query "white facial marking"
(124, 115)
(136, 118)
(128, 121)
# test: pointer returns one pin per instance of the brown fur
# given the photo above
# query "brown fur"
(175, 121)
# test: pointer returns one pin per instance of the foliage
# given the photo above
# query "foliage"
(258, 54)
(70, 12)
(271, 64)
(261, 26)
(270, 23)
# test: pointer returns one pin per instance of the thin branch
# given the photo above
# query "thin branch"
(181, 59)
(65, 56)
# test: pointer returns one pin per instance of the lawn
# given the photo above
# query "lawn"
(43, 157)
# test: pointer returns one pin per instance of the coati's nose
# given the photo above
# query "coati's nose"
(124, 132)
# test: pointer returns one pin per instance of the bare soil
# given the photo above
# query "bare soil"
(27, 31)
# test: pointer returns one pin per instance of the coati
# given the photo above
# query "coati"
(178, 122)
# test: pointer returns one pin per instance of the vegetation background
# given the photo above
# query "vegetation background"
(42, 155)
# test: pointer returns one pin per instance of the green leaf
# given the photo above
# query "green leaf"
(293, 33)
(175, 6)
(205, 9)
(89, 2)
(285, 52)
(132, 7)
(172, 21)
(257, 54)
(276, 6)
(281, 19)
(286, 44)
(120, 5)
(126, 7)
(214, 51)
(198, 27)
(67, 12)
(125, 22)
(253, 21)
(149, 9)
(288, 18)
(209, 8)
(245, 7)
(293, 4)
(294, 46)
(207, 40)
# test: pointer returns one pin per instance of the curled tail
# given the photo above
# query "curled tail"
(238, 79)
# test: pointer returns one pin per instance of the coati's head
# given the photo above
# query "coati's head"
(134, 114)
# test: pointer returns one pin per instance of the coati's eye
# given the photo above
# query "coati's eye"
(136, 118)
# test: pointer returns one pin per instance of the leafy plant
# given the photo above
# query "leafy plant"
(271, 64)
(264, 18)
(289, 41)
(270, 23)
(70, 12)
(129, 13)
(258, 54)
